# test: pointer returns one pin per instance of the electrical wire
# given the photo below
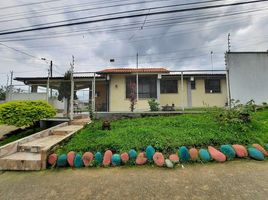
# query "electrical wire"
(129, 16)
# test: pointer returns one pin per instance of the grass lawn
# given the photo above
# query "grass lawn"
(166, 134)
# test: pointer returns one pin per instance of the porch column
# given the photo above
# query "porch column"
(158, 88)
(182, 103)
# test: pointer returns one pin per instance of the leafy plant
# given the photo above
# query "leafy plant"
(154, 105)
(239, 114)
(133, 96)
(3, 93)
(25, 113)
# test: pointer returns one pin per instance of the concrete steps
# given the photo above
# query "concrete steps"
(31, 153)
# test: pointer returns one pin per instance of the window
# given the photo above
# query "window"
(193, 85)
(213, 85)
(147, 86)
(168, 86)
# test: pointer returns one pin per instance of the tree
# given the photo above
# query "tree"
(65, 90)
(133, 96)
(3, 93)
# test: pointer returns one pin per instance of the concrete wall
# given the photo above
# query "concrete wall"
(27, 96)
(202, 99)
(175, 98)
(248, 76)
(118, 101)
(36, 96)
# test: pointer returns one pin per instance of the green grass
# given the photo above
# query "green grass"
(17, 136)
(166, 134)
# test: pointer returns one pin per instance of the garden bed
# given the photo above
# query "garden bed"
(166, 134)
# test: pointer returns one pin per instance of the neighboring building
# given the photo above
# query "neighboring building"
(113, 87)
(248, 76)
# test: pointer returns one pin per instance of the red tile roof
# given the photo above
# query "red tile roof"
(133, 70)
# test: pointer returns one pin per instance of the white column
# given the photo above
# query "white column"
(158, 89)
(182, 103)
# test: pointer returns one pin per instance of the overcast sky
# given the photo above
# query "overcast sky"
(175, 41)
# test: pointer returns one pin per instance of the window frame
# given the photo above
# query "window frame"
(144, 80)
(212, 90)
(167, 91)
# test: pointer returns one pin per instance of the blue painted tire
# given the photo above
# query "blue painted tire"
(132, 154)
(255, 154)
(98, 158)
(150, 151)
(184, 154)
(62, 160)
(204, 155)
(116, 160)
(228, 151)
(78, 161)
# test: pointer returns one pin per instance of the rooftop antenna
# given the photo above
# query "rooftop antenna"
(229, 42)
(211, 59)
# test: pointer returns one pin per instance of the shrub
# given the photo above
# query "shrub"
(154, 105)
(239, 114)
(25, 113)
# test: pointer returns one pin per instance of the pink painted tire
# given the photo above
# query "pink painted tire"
(107, 158)
(52, 159)
(174, 158)
(159, 159)
(70, 158)
(216, 154)
(124, 157)
(193, 153)
(240, 150)
(141, 159)
(87, 158)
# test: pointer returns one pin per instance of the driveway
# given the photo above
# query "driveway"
(230, 180)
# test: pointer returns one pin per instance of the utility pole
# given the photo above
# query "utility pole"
(50, 69)
(48, 75)
(72, 90)
(7, 89)
(11, 78)
(229, 42)
(137, 77)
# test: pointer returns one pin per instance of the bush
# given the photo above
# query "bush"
(154, 105)
(25, 113)
(239, 114)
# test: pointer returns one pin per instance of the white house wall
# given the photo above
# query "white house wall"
(248, 76)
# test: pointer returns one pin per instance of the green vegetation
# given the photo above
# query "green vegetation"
(166, 134)
(154, 105)
(25, 113)
(21, 134)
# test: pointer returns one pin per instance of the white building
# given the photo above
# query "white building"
(248, 76)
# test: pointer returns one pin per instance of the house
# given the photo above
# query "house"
(248, 76)
(183, 89)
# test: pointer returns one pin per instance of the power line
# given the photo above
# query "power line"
(131, 16)
(27, 4)
(150, 24)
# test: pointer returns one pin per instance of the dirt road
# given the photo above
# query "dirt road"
(231, 180)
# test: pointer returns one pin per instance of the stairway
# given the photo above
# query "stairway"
(30, 153)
